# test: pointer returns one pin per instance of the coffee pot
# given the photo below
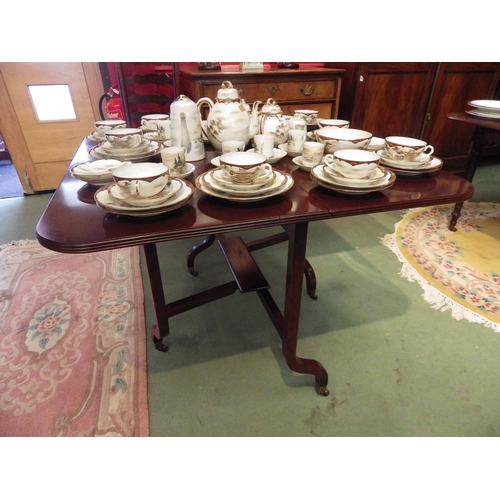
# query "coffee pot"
(229, 118)
(185, 128)
(273, 122)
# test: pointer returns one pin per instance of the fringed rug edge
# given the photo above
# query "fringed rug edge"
(431, 295)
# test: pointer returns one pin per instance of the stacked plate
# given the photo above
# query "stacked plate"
(146, 149)
(424, 164)
(485, 108)
(330, 178)
(270, 183)
(177, 193)
(97, 173)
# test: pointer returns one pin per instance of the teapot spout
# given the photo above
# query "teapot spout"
(254, 119)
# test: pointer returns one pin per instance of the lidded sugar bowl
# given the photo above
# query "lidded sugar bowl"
(273, 122)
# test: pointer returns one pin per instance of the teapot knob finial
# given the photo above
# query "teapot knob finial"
(227, 85)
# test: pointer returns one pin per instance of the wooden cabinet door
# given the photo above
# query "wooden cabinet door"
(42, 149)
(391, 98)
(456, 84)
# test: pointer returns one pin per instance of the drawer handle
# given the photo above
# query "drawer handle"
(273, 89)
(307, 89)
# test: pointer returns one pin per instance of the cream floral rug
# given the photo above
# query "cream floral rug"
(458, 271)
(72, 343)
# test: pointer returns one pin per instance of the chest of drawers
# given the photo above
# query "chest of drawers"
(309, 88)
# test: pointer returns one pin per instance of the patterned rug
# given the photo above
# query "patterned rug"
(72, 343)
(458, 271)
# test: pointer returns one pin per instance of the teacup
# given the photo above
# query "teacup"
(296, 139)
(332, 122)
(163, 128)
(124, 137)
(150, 121)
(175, 159)
(406, 148)
(297, 124)
(353, 163)
(309, 115)
(142, 180)
(264, 144)
(243, 167)
(312, 153)
(102, 126)
(233, 146)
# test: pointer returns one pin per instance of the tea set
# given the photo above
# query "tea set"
(249, 140)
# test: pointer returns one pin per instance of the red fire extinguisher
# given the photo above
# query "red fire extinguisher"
(114, 107)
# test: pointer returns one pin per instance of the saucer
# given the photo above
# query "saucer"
(273, 182)
(324, 179)
(222, 179)
(387, 160)
(96, 138)
(117, 194)
(277, 155)
(298, 161)
(206, 188)
(187, 171)
(179, 199)
(284, 147)
(374, 178)
(124, 151)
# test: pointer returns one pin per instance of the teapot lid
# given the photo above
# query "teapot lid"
(271, 107)
(227, 92)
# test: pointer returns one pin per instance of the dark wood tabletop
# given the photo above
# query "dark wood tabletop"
(73, 223)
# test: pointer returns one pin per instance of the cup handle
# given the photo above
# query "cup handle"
(328, 159)
(429, 150)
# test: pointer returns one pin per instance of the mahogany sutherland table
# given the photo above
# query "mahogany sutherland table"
(73, 223)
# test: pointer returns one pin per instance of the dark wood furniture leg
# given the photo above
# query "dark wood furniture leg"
(287, 324)
(478, 140)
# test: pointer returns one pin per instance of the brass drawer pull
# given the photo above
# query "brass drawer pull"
(273, 89)
(307, 89)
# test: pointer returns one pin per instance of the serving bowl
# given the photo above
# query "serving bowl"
(335, 138)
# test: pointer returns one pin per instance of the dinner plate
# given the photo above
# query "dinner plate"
(223, 180)
(207, 189)
(96, 172)
(105, 201)
(100, 153)
(387, 160)
(491, 116)
(386, 181)
(172, 187)
(275, 182)
(143, 146)
(490, 106)
(433, 166)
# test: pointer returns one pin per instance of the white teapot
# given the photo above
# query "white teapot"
(185, 128)
(273, 122)
(229, 118)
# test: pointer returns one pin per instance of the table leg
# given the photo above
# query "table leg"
(297, 243)
(206, 243)
(161, 329)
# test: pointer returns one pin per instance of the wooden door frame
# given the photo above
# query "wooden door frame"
(12, 132)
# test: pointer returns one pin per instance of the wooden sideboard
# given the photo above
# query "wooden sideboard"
(414, 99)
(307, 88)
